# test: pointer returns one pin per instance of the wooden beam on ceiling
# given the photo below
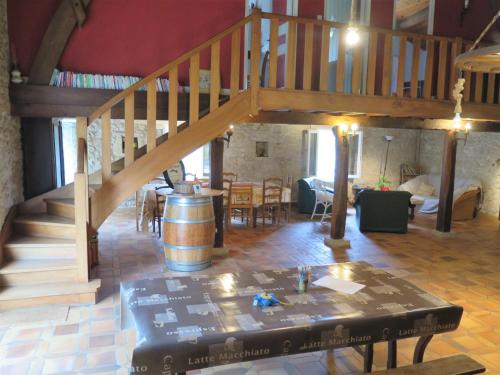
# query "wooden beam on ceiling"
(67, 16)
(307, 118)
(315, 101)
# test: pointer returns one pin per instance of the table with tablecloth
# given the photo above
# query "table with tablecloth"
(197, 321)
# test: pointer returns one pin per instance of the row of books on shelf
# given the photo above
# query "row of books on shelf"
(102, 81)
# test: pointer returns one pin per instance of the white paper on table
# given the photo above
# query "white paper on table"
(339, 285)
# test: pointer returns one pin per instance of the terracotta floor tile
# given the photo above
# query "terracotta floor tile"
(462, 268)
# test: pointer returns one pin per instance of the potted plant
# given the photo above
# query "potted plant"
(383, 184)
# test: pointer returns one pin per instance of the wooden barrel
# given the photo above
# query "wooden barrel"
(188, 232)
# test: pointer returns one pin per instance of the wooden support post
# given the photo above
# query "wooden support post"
(255, 61)
(339, 210)
(216, 168)
(447, 182)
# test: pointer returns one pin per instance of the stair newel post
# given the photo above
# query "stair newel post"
(81, 202)
(255, 57)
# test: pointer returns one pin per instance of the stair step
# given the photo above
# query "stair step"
(49, 293)
(28, 247)
(45, 225)
(61, 207)
(37, 271)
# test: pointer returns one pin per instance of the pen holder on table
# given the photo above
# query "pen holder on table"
(303, 278)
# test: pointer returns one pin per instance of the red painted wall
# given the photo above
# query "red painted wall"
(382, 13)
(479, 14)
(131, 39)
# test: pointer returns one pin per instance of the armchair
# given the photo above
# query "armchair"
(382, 211)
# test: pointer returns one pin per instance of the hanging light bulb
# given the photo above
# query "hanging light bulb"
(352, 37)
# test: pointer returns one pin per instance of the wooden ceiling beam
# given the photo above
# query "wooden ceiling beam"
(309, 118)
(67, 16)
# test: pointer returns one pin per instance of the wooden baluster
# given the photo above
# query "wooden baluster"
(235, 63)
(214, 75)
(81, 198)
(429, 69)
(387, 68)
(194, 88)
(325, 52)
(491, 88)
(129, 129)
(273, 53)
(372, 64)
(340, 63)
(291, 55)
(308, 56)
(172, 101)
(456, 49)
(401, 66)
(356, 70)
(151, 115)
(415, 68)
(478, 95)
(106, 146)
(255, 55)
(443, 54)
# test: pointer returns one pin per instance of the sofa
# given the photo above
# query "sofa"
(307, 194)
(382, 211)
(425, 195)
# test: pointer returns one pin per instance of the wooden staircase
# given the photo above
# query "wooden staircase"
(40, 260)
(47, 258)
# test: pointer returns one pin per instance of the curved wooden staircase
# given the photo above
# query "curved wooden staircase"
(48, 257)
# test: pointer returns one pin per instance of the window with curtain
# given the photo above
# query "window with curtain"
(321, 154)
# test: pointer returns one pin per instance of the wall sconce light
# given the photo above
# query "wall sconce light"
(351, 129)
(229, 134)
(459, 128)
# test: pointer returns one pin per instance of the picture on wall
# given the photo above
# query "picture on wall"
(262, 149)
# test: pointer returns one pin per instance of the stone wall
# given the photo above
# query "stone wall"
(403, 149)
(479, 158)
(11, 184)
(288, 152)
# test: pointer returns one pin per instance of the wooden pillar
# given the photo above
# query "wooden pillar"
(447, 182)
(339, 210)
(216, 168)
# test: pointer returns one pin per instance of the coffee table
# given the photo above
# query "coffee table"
(197, 321)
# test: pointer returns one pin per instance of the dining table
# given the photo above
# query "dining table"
(185, 323)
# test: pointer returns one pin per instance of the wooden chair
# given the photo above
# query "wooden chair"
(158, 213)
(272, 191)
(230, 176)
(242, 200)
(227, 187)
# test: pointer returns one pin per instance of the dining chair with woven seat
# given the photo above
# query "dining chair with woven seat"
(230, 176)
(272, 192)
(242, 200)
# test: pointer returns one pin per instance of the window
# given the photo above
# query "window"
(321, 154)
(197, 163)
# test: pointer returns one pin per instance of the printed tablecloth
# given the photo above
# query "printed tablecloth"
(192, 322)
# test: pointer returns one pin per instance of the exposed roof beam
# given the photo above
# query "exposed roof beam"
(67, 16)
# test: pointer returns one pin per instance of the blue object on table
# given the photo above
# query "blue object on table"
(265, 300)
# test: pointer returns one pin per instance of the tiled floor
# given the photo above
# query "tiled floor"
(461, 267)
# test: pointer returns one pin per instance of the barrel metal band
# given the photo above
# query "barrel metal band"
(181, 221)
(180, 247)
